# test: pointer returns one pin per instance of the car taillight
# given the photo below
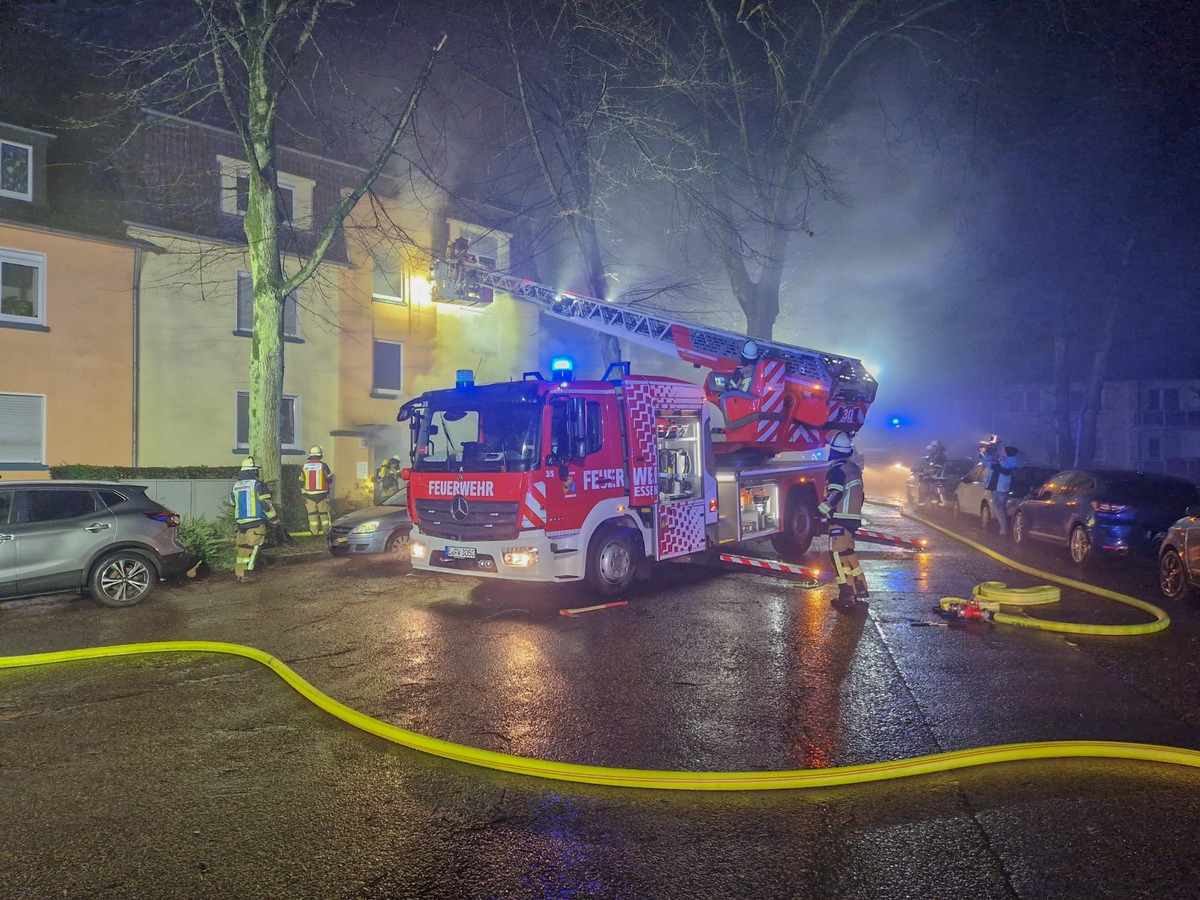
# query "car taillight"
(168, 518)
(1111, 508)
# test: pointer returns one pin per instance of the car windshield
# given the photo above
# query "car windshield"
(488, 436)
(1143, 492)
(400, 498)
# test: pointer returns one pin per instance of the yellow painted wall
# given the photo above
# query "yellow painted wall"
(500, 342)
(193, 365)
(84, 363)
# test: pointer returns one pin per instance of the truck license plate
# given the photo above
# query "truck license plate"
(460, 552)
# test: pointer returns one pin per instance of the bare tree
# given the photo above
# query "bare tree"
(250, 58)
(751, 92)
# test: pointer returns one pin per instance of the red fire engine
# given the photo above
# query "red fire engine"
(556, 480)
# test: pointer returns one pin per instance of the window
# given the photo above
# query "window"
(1165, 399)
(16, 171)
(22, 428)
(285, 197)
(53, 505)
(294, 195)
(1153, 448)
(6, 503)
(245, 309)
(389, 370)
(1033, 402)
(22, 287)
(390, 285)
(288, 417)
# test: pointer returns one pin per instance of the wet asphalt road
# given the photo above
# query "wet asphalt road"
(193, 775)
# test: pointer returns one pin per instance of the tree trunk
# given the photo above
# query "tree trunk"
(261, 226)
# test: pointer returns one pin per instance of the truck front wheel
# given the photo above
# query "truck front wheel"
(611, 561)
(799, 529)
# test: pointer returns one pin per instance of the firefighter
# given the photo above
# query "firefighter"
(387, 479)
(316, 482)
(842, 508)
(254, 511)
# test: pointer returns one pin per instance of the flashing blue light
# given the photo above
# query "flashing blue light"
(562, 368)
(895, 421)
(464, 378)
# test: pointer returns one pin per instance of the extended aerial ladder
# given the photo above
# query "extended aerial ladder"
(775, 397)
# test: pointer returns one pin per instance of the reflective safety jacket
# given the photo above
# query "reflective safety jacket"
(252, 504)
(315, 477)
(843, 494)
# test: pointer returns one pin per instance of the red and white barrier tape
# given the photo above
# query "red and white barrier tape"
(771, 565)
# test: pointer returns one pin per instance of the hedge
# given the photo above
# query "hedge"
(294, 516)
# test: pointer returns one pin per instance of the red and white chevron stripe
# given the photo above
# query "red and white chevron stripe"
(533, 510)
(771, 565)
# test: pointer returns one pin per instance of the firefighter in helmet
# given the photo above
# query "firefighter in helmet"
(253, 511)
(842, 508)
(316, 482)
(387, 479)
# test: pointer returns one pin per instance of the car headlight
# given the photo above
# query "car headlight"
(522, 557)
(417, 550)
(366, 527)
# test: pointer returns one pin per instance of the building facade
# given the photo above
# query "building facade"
(66, 323)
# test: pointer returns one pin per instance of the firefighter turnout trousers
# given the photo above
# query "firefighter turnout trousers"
(249, 538)
(846, 568)
(318, 512)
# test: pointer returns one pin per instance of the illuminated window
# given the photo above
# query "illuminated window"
(390, 283)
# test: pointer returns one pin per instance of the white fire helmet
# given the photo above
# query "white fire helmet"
(839, 445)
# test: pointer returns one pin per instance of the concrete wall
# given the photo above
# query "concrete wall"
(189, 498)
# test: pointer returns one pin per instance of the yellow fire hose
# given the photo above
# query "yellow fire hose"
(642, 778)
(991, 594)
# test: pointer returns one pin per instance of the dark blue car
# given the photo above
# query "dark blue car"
(1110, 511)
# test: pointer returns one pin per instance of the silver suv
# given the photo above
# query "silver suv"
(104, 538)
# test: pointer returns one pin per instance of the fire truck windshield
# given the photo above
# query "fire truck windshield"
(485, 436)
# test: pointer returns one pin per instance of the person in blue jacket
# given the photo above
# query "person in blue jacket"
(1003, 467)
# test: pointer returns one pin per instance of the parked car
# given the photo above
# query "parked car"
(954, 469)
(377, 529)
(971, 498)
(1109, 511)
(104, 538)
(1179, 557)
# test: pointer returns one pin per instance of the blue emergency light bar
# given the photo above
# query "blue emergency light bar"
(464, 378)
(562, 368)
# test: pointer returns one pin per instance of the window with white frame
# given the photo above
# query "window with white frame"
(289, 416)
(23, 428)
(16, 170)
(245, 309)
(22, 287)
(294, 197)
(389, 367)
(390, 282)
(285, 197)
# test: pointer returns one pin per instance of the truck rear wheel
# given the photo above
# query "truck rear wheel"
(799, 529)
(611, 561)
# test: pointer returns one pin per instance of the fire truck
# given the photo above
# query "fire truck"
(553, 479)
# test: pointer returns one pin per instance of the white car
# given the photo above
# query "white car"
(971, 498)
